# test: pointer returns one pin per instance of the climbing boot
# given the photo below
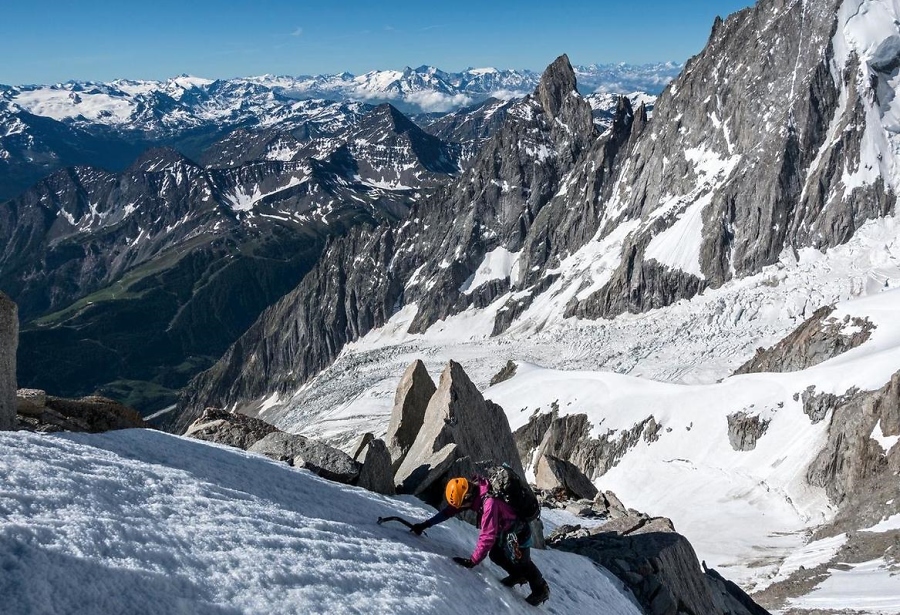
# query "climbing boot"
(539, 594)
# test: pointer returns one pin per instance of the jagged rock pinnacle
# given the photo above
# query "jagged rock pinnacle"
(557, 82)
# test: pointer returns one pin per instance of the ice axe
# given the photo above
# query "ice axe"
(408, 524)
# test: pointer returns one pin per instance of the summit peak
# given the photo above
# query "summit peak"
(557, 82)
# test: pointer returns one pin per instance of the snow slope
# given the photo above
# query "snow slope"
(872, 587)
(140, 521)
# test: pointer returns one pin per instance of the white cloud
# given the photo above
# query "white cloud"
(436, 102)
(508, 94)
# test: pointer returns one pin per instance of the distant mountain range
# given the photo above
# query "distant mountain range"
(47, 127)
(186, 101)
(430, 90)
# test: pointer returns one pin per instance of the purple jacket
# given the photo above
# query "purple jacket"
(496, 517)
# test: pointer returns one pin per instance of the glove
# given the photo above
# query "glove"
(418, 528)
(465, 562)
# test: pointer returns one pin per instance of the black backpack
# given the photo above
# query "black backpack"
(505, 484)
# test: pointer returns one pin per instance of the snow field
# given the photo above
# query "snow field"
(871, 587)
(139, 521)
(744, 511)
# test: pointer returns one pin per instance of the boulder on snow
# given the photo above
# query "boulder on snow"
(229, 428)
(554, 473)
(302, 452)
(9, 341)
(745, 429)
(458, 423)
(415, 390)
(376, 473)
(505, 373)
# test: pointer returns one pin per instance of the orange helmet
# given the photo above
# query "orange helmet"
(456, 491)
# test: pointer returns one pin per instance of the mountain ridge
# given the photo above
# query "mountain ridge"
(86, 250)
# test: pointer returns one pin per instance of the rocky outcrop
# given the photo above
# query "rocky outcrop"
(819, 338)
(376, 474)
(658, 565)
(557, 86)
(302, 452)
(369, 467)
(505, 373)
(637, 285)
(817, 405)
(604, 505)
(745, 429)
(568, 438)
(609, 503)
(854, 455)
(459, 424)
(229, 428)
(552, 473)
(410, 402)
(93, 414)
(9, 341)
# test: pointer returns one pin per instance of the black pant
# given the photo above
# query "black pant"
(524, 568)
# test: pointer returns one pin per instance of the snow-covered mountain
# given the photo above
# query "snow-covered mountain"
(429, 89)
(141, 522)
(175, 105)
(46, 127)
(760, 191)
(187, 102)
(104, 125)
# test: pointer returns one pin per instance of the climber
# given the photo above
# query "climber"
(505, 536)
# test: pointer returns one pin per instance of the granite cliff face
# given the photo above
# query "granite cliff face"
(746, 156)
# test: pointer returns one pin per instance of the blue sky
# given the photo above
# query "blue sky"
(47, 42)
